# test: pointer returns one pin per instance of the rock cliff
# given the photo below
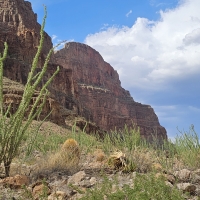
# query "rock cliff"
(101, 98)
(13, 92)
(86, 84)
(19, 27)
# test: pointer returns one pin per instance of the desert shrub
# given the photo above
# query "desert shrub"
(12, 130)
(87, 143)
(188, 147)
(181, 153)
(142, 160)
(66, 158)
(99, 155)
(146, 186)
(126, 139)
(128, 151)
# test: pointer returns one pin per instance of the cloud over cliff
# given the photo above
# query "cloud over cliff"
(153, 54)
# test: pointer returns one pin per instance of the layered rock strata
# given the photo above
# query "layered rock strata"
(13, 92)
(19, 27)
(86, 84)
(100, 95)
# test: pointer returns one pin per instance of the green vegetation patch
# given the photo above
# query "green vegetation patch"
(146, 186)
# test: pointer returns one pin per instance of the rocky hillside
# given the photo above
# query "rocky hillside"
(86, 84)
(60, 167)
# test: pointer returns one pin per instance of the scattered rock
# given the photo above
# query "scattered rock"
(58, 195)
(170, 178)
(15, 182)
(194, 198)
(183, 175)
(168, 184)
(85, 184)
(187, 187)
(60, 186)
(40, 189)
(197, 191)
(196, 179)
(197, 172)
(93, 181)
(77, 178)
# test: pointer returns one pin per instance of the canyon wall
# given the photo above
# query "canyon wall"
(85, 85)
(100, 95)
(20, 29)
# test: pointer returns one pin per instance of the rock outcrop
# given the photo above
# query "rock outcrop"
(100, 95)
(13, 92)
(19, 27)
(86, 84)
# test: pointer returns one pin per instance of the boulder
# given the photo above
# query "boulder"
(15, 182)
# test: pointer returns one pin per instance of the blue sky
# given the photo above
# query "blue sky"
(153, 44)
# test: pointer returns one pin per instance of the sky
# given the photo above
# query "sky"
(153, 44)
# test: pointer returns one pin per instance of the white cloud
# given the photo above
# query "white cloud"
(59, 44)
(192, 38)
(53, 37)
(154, 54)
(104, 27)
(127, 14)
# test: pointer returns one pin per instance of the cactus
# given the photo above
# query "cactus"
(13, 131)
(71, 149)
(70, 144)
(66, 158)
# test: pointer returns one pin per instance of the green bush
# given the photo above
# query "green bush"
(188, 147)
(13, 129)
(146, 186)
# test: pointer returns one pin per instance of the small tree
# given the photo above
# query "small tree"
(13, 129)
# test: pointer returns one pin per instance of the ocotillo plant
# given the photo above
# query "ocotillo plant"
(13, 129)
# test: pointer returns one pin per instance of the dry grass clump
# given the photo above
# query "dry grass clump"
(143, 160)
(157, 167)
(118, 160)
(139, 160)
(99, 155)
(66, 158)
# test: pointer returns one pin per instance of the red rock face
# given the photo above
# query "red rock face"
(13, 92)
(101, 98)
(19, 27)
(86, 84)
